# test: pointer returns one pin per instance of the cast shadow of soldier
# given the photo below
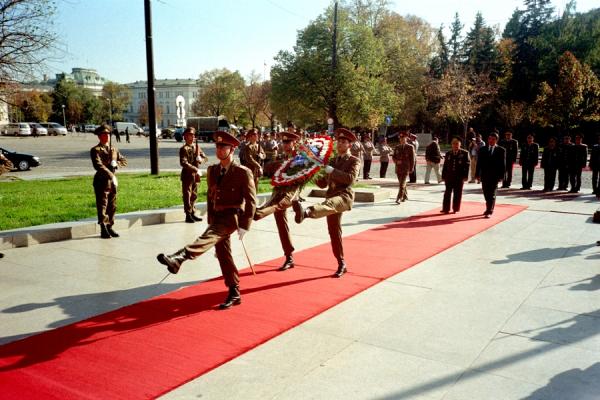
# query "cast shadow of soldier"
(537, 194)
(130, 318)
(417, 221)
(546, 254)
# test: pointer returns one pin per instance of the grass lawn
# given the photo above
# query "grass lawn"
(29, 203)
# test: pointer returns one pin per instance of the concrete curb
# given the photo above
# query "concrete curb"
(31, 236)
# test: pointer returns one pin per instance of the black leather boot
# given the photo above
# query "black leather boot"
(289, 263)
(173, 261)
(341, 269)
(104, 233)
(111, 232)
(195, 217)
(1, 255)
(233, 298)
(299, 217)
(189, 219)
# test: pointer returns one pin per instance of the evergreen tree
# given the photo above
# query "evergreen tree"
(439, 63)
(454, 44)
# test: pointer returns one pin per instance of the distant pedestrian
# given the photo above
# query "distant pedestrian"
(117, 135)
(454, 173)
(577, 162)
(595, 167)
(384, 157)
(528, 160)
(433, 157)
(550, 164)
(368, 150)
(474, 145)
(127, 134)
(413, 141)
(405, 159)
(491, 167)
(511, 148)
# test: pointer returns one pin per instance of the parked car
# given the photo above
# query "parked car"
(146, 131)
(17, 129)
(21, 161)
(37, 129)
(90, 128)
(54, 128)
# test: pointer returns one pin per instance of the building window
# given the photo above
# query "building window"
(160, 95)
(168, 109)
(167, 95)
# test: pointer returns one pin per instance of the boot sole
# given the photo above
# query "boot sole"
(163, 260)
(225, 307)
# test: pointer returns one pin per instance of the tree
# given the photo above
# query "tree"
(143, 112)
(79, 103)
(462, 93)
(26, 37)
(368, 12)
(439, 63)
(573, 100)
(253, 98)
(220, 92)
(116, 96)
(34, 105)
(479, 47)
(512, 113)
(455, 42)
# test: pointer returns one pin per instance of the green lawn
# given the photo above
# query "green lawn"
(29, 203)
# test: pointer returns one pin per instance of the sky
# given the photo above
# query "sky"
(193, 36)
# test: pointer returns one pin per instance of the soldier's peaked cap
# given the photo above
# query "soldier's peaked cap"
(343, 133)
(191, 130)
(221, 137)
(102, 129)
(286, 136)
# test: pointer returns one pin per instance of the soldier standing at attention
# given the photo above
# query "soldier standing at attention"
(340, 175)
(511, 148)
(491, 166)
(384, 157)
(405, 159)
(454, 173)
(368, 150)
(550, 163)
(281, 199)
(528, 160)
(253, 155)
(231, 203)
(106, 159)
(190, 158)
(595, 167)
(577, 162)
(564, 157)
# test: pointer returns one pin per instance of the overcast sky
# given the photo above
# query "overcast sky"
(192, 36)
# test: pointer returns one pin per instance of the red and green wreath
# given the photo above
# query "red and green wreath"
(309, 159)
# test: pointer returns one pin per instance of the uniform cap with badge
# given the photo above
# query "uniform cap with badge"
(343, 133)
(225, 138)
(289, 136)
(102, 129)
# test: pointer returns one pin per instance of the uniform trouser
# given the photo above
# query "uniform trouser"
(473, 168)
(563, 178)
(489, 193)
(549, 179)
(282, 225)
(527, 178)
(106, 203)
(332, 208)
(575, 179)
(189, 189)
(456, 186)
(413, 175)
(402, 195)
(596, 181)
(218, 235)
(508, 174)
(436, 168)
(383, 168)
(366, 168)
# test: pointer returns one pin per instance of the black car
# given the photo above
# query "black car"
(21, 161)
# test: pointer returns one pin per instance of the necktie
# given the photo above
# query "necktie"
(221, 175)
(491, 150)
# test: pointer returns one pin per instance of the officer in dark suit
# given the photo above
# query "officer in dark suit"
(595, 167)
(106, 159)
(341, 174)
(231, 202)
(491, 166)
(528, 160)
(550, 164)
(564, 156)
(511, 147)
(577, 162)
(455, 173)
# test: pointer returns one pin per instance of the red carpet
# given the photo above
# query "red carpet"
(149, 348)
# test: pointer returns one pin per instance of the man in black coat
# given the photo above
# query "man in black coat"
(577, 162)
(454, 173)
(491, 166)
(528, 160)
(511, 149)
(564, 156)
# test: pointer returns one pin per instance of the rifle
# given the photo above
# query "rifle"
(197, 153)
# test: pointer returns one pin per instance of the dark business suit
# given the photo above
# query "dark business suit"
(528, 161)
(454, 173)
(491, 166)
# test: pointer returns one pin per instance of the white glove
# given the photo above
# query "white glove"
(199, 172)
(113, 163)
(241, 233)
(199, 159)
(328, 169)
(115, 181)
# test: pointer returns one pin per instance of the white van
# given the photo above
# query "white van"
(18, 129)
(132, 128)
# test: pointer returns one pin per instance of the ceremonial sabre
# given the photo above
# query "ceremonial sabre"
(248, 257)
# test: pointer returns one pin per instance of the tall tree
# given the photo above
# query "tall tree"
(439, 63)
(117, 97)
(455, 42)
(368, 12)
(34, 105)
(254, 98)
(573, 100)
(479, 47)
(219, 93)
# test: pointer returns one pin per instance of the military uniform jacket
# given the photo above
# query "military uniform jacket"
(252, 154)
(595, 157)
(456, 166)
(339, 182)
(235, 193)
(357, 149)
(102, 157)
(550, 158)
(529, 155)
(5, 164)
(405, 158)
(578, 156)
(188, 160)
(491, 166)
(368, 150)
(271, 148)
(511, 148)
(384, 152)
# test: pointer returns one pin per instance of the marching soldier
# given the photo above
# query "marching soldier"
(280, 201)
(455, 173)
(511, 148)
(231, 202)
(341, 174)
(406, 159)
(5, 166)
(528, 160)
(253, 155)
(106, 159)
(190, 158)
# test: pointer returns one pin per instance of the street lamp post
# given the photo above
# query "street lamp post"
(109, 111)
(64, 117)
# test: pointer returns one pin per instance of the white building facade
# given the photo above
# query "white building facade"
(166, 91)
